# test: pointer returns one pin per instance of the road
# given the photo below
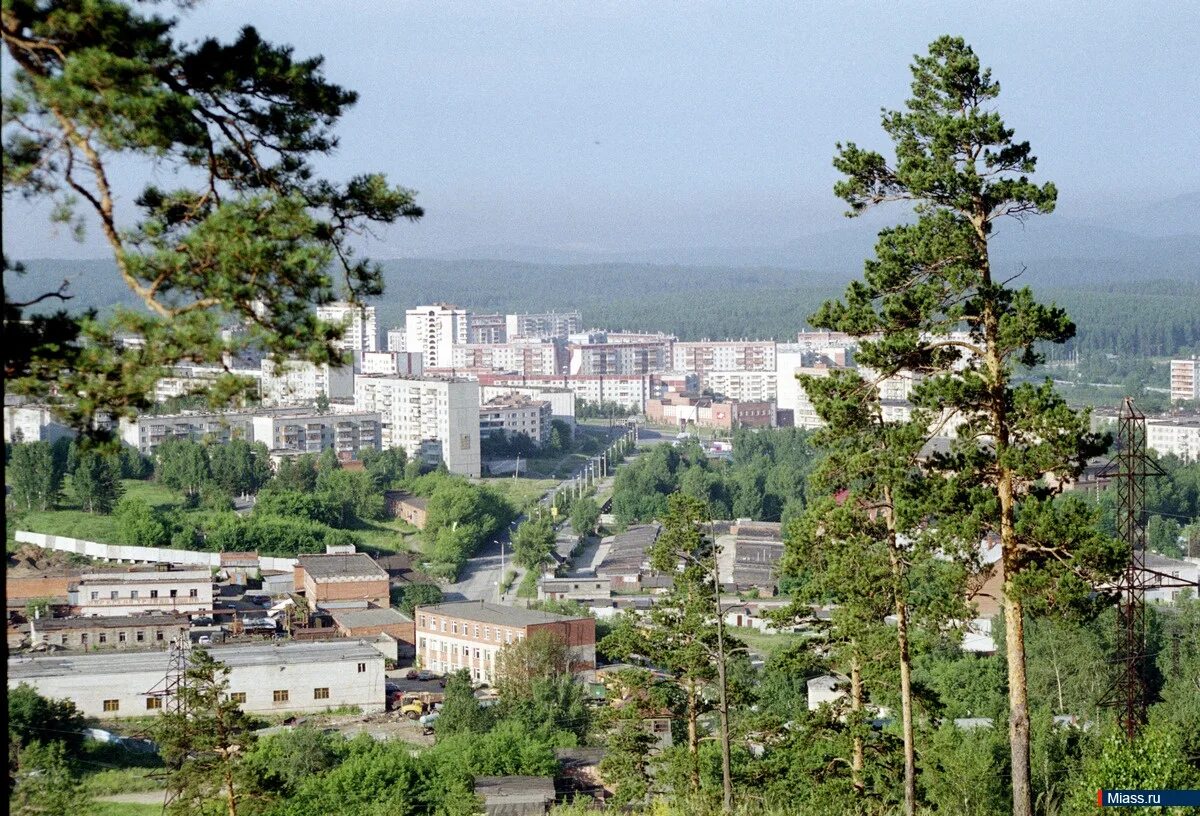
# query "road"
(481, 575)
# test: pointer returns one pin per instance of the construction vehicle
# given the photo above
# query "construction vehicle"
(415, 704)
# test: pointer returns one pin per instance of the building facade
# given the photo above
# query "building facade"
(33, 423)
(116, 594)
(629, 391)
(330, 577)
(298, 382)
(470, 635)
(700, 357)
(263, 678)
(743, 386)
(614, 355)
(148, 431)
(390, 363)
(1185, 380)
(433, 331)
(433, 419)
(362, 332)
(546, 324)
(1174, 436)
(522, 355)
(148, 631)
(486, 328)
(306, 431)
(512, 415)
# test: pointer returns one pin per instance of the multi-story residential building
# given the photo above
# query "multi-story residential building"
(298, 382)
(804, 414)
(433, 419)
(397, 339)
(142, 631)
(275, 678)
(562, 400)
(148, 431)
(390, 363)
(625, 390)
(362, 333)
(743, 386)
(333, 578)
(511, 415)
(486, 328)
(470, 635)
(186, 378)
(434, 330)
(30, 422)
(522, 355)
(1185, 379)
(700, 357)
(600, 353)
(547, 324)
(306, 431)
(1174, 436)
(116, 593)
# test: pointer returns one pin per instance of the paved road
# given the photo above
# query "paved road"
(481, 575)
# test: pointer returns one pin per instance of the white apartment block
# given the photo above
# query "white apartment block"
(434, 330)
(546, 324)
(522, 355)
(148, 431)
(511, 415)
(114, 594)
(562, 400)
(1174, 436)
(743, 386)
(188, 379)
(487, 328)
(306, 431)
(619, 355)
(362, 333)
(299, 382)
(1185, 379)
(390, 363)
(628, 391)
(434, 419)
(264, 678)
(723, 355)
(396, 338)
(33, 423)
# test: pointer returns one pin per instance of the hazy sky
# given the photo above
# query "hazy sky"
(616, 126)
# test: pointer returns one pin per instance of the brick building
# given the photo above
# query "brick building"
(470, 634)
(155, 630)
(117, 593)
(406, 506)
(341, 577)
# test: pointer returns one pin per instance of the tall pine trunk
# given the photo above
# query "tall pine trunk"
(693, 737)
(858, 754)
(906, 714)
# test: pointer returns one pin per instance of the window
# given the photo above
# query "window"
(158, 636)
(420, 643)
(112, 596)
(422, 620)
(174, 592)
(320, 694)
(487, 633)
(477, 630)
(112, 705)
(133, 593)
(466, 651)
(193, 593)
(153, 703)
(154, 593)
(83, 638)
(95, 596)
(362, 667)
(443, 621)
(279, 695)
(507, 636)
(476, 653)
(141, 637)
(120, 637)
(103, 638)
(240, 697)
(454, 628)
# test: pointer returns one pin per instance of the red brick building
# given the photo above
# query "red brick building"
(341, 577)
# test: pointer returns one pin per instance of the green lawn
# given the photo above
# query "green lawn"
(390, 536)
(520, 492)
(763, 643)
(75, 523)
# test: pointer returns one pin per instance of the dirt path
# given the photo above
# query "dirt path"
(144, 798)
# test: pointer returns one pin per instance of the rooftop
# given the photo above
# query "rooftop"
(351, 618)
(340, 565)
(118, 622)
(493, 613)
(255, 654)
(515, 795)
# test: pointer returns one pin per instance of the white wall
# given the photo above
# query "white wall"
(144, 555)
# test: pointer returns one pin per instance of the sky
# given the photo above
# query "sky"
(613, 126)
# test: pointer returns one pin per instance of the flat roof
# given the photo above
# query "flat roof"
(351, 618)
(254, 654)
(494, 613)
(340, 565)
(97, 622)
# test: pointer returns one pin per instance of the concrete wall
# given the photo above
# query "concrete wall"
(140, 555)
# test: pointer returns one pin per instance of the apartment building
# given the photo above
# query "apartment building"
(562, 400)
(148, 431)
(699, 357)
(508, 416)
(522, 355)
(121, 593)
(33, 423)
(433, 419)
(1174, 436)
(264, 678)
(629, 391)
(306, 431)
(187, 378)
(434, 330)
(390, 363)
(546, 324)
(619, 353)
(362, 332)
(743, 386)
(396, 339)
(470, 635)
(298, 382)
(487, 328)
(1185, 379)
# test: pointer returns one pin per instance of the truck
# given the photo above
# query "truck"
(415, 704)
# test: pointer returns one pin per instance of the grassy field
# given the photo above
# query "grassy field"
(520, 492)
(120, 809)
(390, 536)
(763, 643)
(72, 522)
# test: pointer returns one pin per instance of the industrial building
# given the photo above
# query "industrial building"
(326, 578)
(264, 678)
(130, 592)
(470, 634)
(145, 631)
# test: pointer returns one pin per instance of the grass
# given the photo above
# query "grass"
(389, 536)
(766, 644)
(507, 582)
(72, 522)
(521, 493)
(120, 809)
(528, 587)
(121, 780)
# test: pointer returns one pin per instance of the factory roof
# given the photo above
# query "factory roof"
(154, 619)
(341, 565)
(351, 618)
(257, 654)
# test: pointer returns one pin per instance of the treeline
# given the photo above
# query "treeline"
(765, 481)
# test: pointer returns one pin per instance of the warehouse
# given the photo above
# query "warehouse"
(264, 678)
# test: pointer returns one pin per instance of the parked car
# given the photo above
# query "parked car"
(203, 621)
(411, 674)
(423, 675)
(204, 640)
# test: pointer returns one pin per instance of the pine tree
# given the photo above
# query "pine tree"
(930, 302)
